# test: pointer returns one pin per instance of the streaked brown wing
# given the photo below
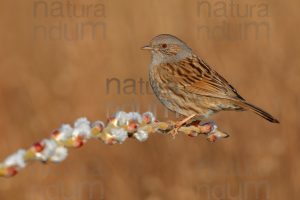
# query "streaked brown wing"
(199, 78)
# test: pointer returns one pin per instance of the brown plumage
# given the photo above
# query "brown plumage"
(185, 84)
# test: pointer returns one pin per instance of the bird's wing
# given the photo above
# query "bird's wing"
(199, 78)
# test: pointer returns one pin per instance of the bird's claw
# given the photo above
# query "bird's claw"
(176, 128)
(174, 131)
(179, 124)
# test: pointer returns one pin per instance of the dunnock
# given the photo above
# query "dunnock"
(187, 85)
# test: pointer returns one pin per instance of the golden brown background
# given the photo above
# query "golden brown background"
(46, 82)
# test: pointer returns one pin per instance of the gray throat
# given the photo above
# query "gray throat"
(159, 58)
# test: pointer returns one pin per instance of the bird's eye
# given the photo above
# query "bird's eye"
(164, 46)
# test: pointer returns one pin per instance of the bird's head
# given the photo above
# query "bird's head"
(166, 48)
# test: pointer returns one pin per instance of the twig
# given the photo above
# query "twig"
(116, 131)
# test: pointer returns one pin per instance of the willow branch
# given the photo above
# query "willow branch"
(118, 128)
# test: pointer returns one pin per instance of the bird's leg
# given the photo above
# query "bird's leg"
(179, 124)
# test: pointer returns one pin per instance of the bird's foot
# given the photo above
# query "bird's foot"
(179, 124)
(174, 132)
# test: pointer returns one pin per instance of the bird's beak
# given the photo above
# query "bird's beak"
(147, 47)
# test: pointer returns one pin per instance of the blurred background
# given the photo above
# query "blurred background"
(63, 59)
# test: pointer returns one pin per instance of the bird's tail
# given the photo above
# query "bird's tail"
(259, 111)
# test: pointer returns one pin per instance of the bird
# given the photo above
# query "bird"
(184, 83)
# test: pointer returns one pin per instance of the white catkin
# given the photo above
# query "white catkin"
(150, 115)
(82, 128)
(122, 118)
(98, 123)
(60, 154)
(16, 159)
(49, 149)
(65, 133)
(135, 116)
(119, 134)
(141, 135)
